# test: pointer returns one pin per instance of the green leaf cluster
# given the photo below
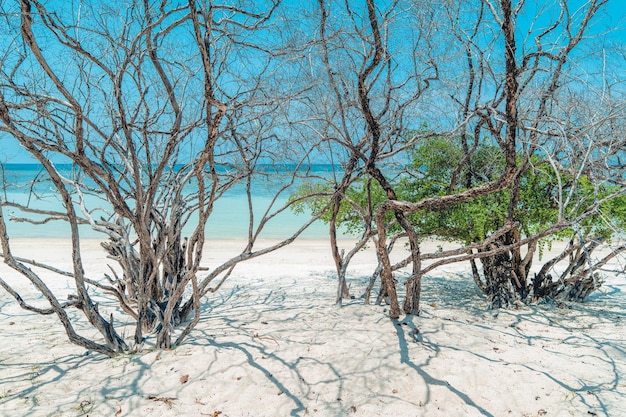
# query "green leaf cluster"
(542, 191)
(439, 166)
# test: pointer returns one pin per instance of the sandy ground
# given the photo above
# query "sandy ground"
(271, 343)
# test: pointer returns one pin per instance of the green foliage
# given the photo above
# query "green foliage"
(537, 206)
(611, 215)
(437, 158)
(362, 199)
(434, 165)
(311, 197)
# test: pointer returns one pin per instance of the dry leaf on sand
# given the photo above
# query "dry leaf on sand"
(167, 400)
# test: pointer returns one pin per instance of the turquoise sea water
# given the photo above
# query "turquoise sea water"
(229, 220)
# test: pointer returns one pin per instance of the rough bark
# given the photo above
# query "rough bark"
(501, 282)
(579, 278)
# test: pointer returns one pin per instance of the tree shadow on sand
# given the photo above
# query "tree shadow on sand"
(567, 342)
(289, 348)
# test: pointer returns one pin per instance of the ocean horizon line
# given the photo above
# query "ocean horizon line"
(287, 166)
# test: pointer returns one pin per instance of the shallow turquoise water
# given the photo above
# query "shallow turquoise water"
(230, 218)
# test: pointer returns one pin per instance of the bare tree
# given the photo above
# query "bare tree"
(514, 101)
(545, 75)
(144, 116)
(480, 75)
(381, 66)
(372, 85)
(160, 109)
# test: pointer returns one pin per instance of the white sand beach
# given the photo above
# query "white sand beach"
(271, 343)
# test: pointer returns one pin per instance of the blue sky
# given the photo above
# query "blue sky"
(613, 16)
